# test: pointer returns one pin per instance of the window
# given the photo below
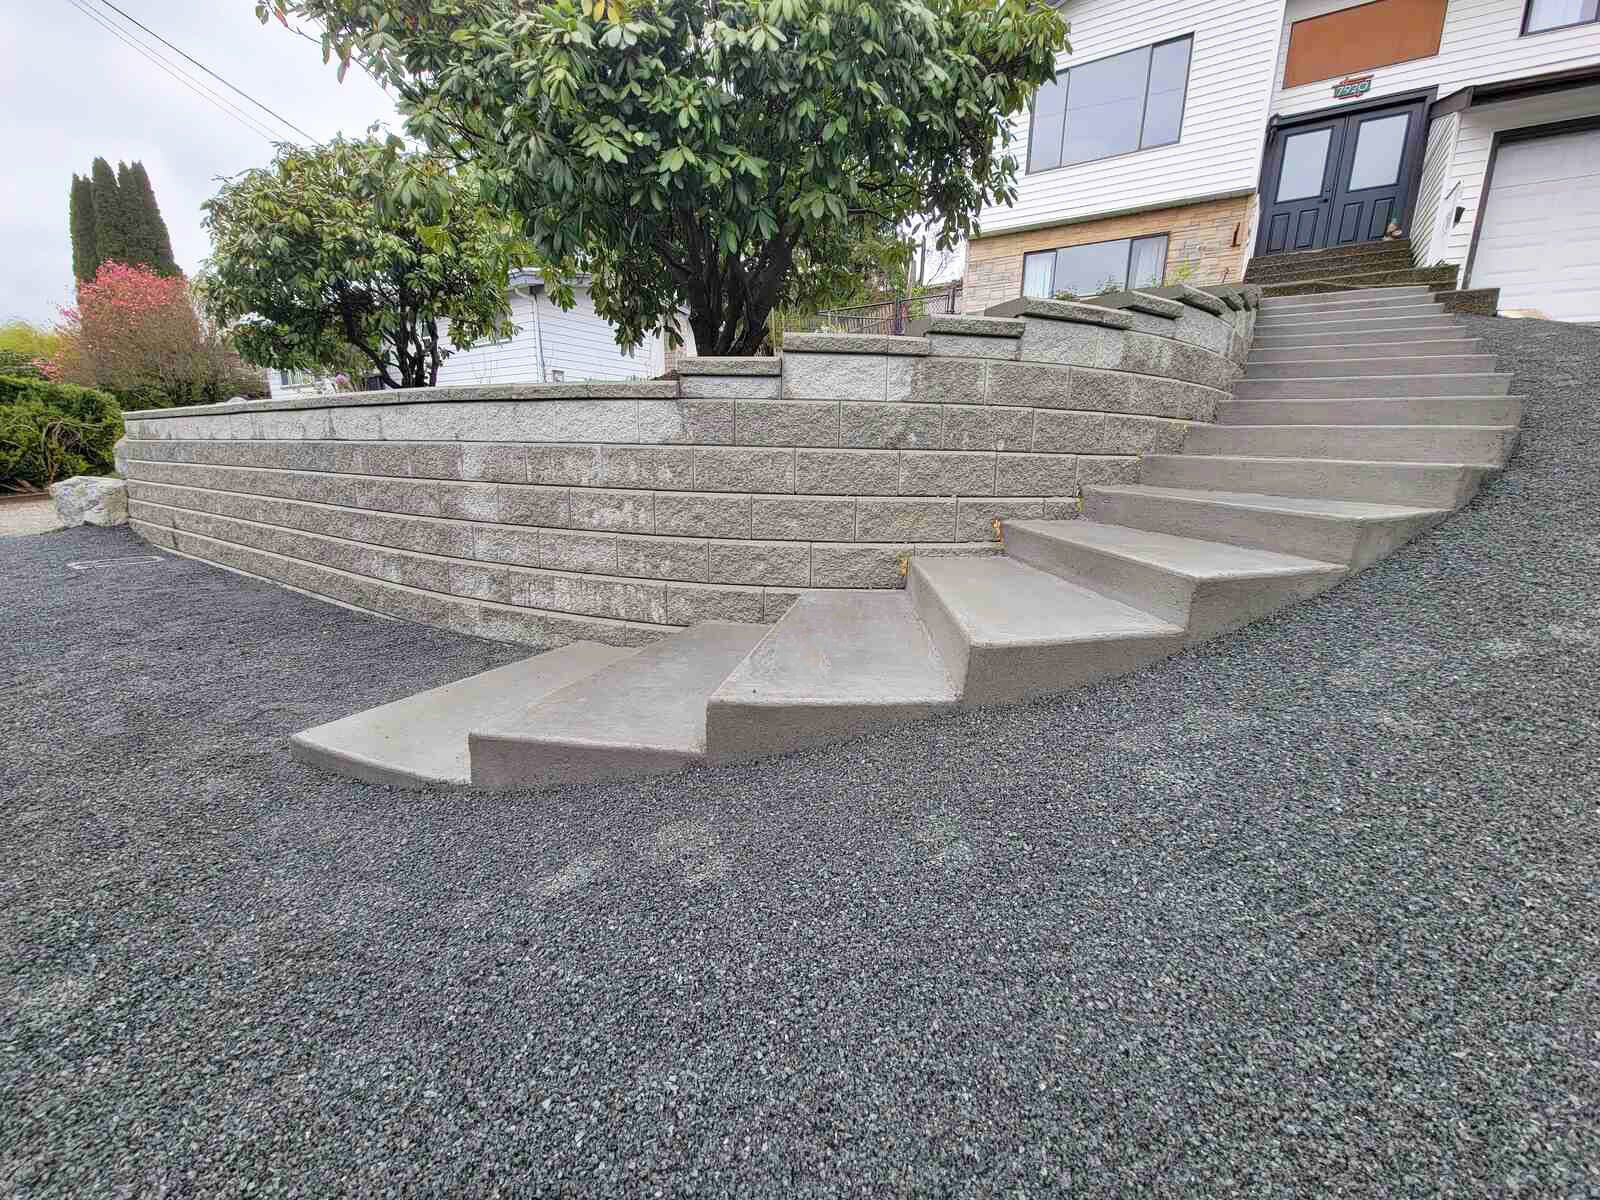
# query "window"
(1130, 101)
(1095, 268)
(1555, 14)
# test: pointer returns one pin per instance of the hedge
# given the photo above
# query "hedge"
(51, 431)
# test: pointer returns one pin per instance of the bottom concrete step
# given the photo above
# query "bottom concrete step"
(837, 664)
(640, 716)
(1337, 531)
(1009, 632)
(422, 740)
(1423, 485)
(1206, 587)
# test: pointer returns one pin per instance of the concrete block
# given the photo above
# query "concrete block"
(528, 504)
(617, 599)
(946, 473)
(955, 345)
(417, 422)
(987, 427)
(293, 423)
(655, 467)
(1061, 312)
(553, 421)
(743, 469)
(847, 472)
(691, 422)
(468, 501)
(692, 603)
(505, 544)
(702, 514)
(1076, 345)
(663, 558)
(1036, 475)
(778, 601)
(975, 516)
(695, 365)
(1106, 469)
(495, 462)
(785, 563)
(417, 497)
(1062, 508)
(937, 380)
(474, 581)
(882, 426)
(1124, 392)
(570, 550)
(356, 424)
(732, 387)
(1105, 433)
(562, 466)
(852, 343)
(803, 518)
(856, 566)
(955, 325)
(835, 377)
(904, 519)
(786, 422)
(612, 509)
(1031, 385)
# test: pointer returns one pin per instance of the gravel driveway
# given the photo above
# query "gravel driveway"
(1312, 910)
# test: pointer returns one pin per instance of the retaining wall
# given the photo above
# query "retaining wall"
(621, 511)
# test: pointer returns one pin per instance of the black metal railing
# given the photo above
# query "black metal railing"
(880, 317)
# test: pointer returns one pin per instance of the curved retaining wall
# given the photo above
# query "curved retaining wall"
(622, 511)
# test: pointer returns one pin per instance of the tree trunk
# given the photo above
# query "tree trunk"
(731, 300)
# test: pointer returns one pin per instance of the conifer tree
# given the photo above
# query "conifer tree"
(111, 240)
(85, 259)
(154, 242)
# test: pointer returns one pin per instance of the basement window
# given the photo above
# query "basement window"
(1096, 268)
(1558, 14)
(1130, 101)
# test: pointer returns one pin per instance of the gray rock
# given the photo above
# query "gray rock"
(91, 500)
(119, 456)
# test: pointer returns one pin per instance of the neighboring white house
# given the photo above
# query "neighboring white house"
(1181, 136)
(550, 345)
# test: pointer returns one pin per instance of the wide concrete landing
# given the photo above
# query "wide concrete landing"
(422, 740)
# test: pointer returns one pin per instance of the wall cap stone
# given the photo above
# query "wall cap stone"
(599, 389)
(1193, 297)
(1141, 302)
(1061, 310)
(1227, 293)
(854, 343)
(695, 365)
(995, 327)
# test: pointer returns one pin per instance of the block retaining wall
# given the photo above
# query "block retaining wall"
(621, 511)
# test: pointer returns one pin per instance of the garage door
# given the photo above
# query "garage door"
(1539, 240)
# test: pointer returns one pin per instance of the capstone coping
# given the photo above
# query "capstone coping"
(1141, 302)
(1061, 310)
(1251, 294)
(599, 389)
(995, 327)
(1228, 294)
(854, 343)
(1193, 297)
(729, 366)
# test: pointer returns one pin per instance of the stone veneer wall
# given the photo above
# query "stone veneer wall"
(621, 511)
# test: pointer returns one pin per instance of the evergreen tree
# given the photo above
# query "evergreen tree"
(85, 259)
(111, 240)
(155, 243)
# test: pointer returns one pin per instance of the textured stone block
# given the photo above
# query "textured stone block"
(480, 582)
(803, 518)
(987, 427)
(743, 469)
(425, 422)
(663, 558)
(360, 423)
(946, 473)
(291, 423)
(506, 544)
(701, 514)
(552, 421)
(1093, 469)
(835, 377)
(847, 472)
(690, 422)
(937, 380)
(786, 423)
(1064, 342)
(731, 387)
(615, 598)
(1062, 508)
(960, 345)
(902, 519)
(1123, 392)
(656, 467)
(1030, 385)
(570, 550)
(469, 501)
(1105, 433)
(975, 516)
(418, 497)
(777, 601)
(612, 509)
(1036, 475)
(528, 504)
(859, 566)
(499, 463)
(897, 426)
(689, 603)
(854, 343)
(787, 563)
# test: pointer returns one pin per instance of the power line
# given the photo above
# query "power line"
(187, 81)
(281, 119)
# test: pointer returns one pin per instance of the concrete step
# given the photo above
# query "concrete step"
(1341, 315)
(1477, 383)
(1421, 347)
(1376, 363)
(1382, 410)
(1423, 485)
(1008, 632)
(1338, 531)
(1478, 445)
(641, 716)
(421, 741)
(1401, 331)
(1390, 273)
(837, 664)
(1206, 587)
(1393, 295)
(1330, 263)
(1277, 309)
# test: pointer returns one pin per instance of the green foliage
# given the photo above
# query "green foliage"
(111, 218)
(115, 218)
(331, 246)
(85, 258)
(26, 341)
(152, 243)
(51, 431)
(707, 154)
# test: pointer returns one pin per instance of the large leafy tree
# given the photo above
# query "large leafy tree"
(692, 152)
(330, 247)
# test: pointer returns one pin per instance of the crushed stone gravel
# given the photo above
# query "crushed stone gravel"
(1311, 910)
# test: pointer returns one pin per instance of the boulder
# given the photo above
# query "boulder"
(119, 456)
(91, 500)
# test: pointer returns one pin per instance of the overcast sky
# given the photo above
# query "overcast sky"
(71, 90)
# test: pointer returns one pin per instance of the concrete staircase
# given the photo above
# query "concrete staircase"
(1362, 418)
(1364, 265)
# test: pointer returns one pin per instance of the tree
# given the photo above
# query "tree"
(153, 243)
(693, 152)
(324, 248)
(85, 259)
(112, 232)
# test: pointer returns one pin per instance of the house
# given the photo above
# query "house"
(1181, 139)
(551, 345)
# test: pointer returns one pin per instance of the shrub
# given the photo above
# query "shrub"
(18, 363)
(51, 431)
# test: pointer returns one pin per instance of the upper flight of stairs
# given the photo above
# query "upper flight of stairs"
(1382, 264)
(1362, 419)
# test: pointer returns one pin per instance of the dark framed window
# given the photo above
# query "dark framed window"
(1130, 101)
(1542, 15)
(1098, 267)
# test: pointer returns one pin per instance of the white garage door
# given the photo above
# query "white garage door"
(1540, 236)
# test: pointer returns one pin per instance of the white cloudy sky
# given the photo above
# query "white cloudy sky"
(70, 91)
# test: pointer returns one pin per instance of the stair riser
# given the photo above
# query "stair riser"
(1432, 410)
(1374, 483)
(1372, 443)
(1377, 363)
(1340, 316)
(1331, 261)
(1360, 351)
(1382, 306)
(1332, 270)
(1393, 295)
(502, 763)
(1347, 542)
(1401, 331)
(1367, 386)
(741, 732)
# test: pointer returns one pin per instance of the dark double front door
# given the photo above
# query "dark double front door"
(1343, 178)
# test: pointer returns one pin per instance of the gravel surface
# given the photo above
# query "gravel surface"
(1311, 910)
(18, 517)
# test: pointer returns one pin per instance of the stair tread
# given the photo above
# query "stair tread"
(1364, 429)
(653, 701)
(423, 738)
(1325, 462)
(1002, 601)
(1193, 558)
(1351, 510)
(843, 648)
